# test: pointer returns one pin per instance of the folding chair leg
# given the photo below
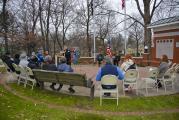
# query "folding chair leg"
(25, 83)
(146, 88)
(165, 87)
(101, 98)
(18, 81)
(123, 89)
(117, 98)
(173, 85)
(136, 90)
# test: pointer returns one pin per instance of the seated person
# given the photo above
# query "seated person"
(109, 69)
(163, 67)
(8, 60)
(63, 67)
(33, 62)
(23, 60)
(48, 65)
(16, 59)
(128, 63)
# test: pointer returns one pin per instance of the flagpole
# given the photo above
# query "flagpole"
(125, 39)
(94, 33)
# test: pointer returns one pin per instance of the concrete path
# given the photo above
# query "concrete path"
(91, 70)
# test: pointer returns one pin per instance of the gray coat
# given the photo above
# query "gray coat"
(163, 67)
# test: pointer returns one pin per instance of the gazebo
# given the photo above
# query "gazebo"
(165, 38)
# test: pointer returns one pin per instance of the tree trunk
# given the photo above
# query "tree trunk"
(5, 27)
(63, 25)
(56, 34)
(137, 45)
(88, 40)
(87, 30)
(47, 35)
(41, 25)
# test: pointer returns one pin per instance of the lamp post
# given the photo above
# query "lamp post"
(146, 49)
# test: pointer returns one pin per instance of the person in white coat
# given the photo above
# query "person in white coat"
(23, 60)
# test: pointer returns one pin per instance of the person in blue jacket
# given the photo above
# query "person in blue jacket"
(109, 69)
(64, 67)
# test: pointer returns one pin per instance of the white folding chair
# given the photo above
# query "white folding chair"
(2, 67)
(130, 79)
(168, 78)
(109, 80)
(30, 77)
(176, 68)
(151, 79)
(22, 76)
(17, 69)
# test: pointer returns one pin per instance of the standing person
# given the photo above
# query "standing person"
(64, 67)
(116, 59)
(23, 60)
(109, 69)
(128, 63)
(68, 56)
(100, 58)
(163, 67)
(108, 51)
(76, 56)
(16, 59)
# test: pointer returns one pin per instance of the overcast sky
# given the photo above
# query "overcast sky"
(130, 6)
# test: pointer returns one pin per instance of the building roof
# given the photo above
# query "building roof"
(165, 21)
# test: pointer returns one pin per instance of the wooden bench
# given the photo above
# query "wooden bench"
(63, 77)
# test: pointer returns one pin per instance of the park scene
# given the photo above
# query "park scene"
(89, 59)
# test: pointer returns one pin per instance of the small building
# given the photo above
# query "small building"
(165, 38)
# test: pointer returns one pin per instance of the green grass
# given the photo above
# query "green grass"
(125, 104)
(13, 107)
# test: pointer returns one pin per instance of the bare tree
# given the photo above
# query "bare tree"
(4, 23)
(136, 34)
(150, 7)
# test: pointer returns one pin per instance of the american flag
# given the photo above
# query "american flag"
(123, 4)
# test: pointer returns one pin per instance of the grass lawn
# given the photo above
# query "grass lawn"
(14, 107)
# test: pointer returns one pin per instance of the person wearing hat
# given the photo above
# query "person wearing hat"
(109, 69)
(64, 67)
(23, 60)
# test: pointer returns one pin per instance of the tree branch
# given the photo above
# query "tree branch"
(138, 7)
(128, 16)
(154, 7)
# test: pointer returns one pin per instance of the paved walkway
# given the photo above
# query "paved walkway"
(91, 70)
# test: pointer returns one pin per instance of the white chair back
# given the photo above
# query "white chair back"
(1, 62)
(153, 73)
(29, 71)
(131, 75)
(109, 80)
(22, 71)
(16, 67)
